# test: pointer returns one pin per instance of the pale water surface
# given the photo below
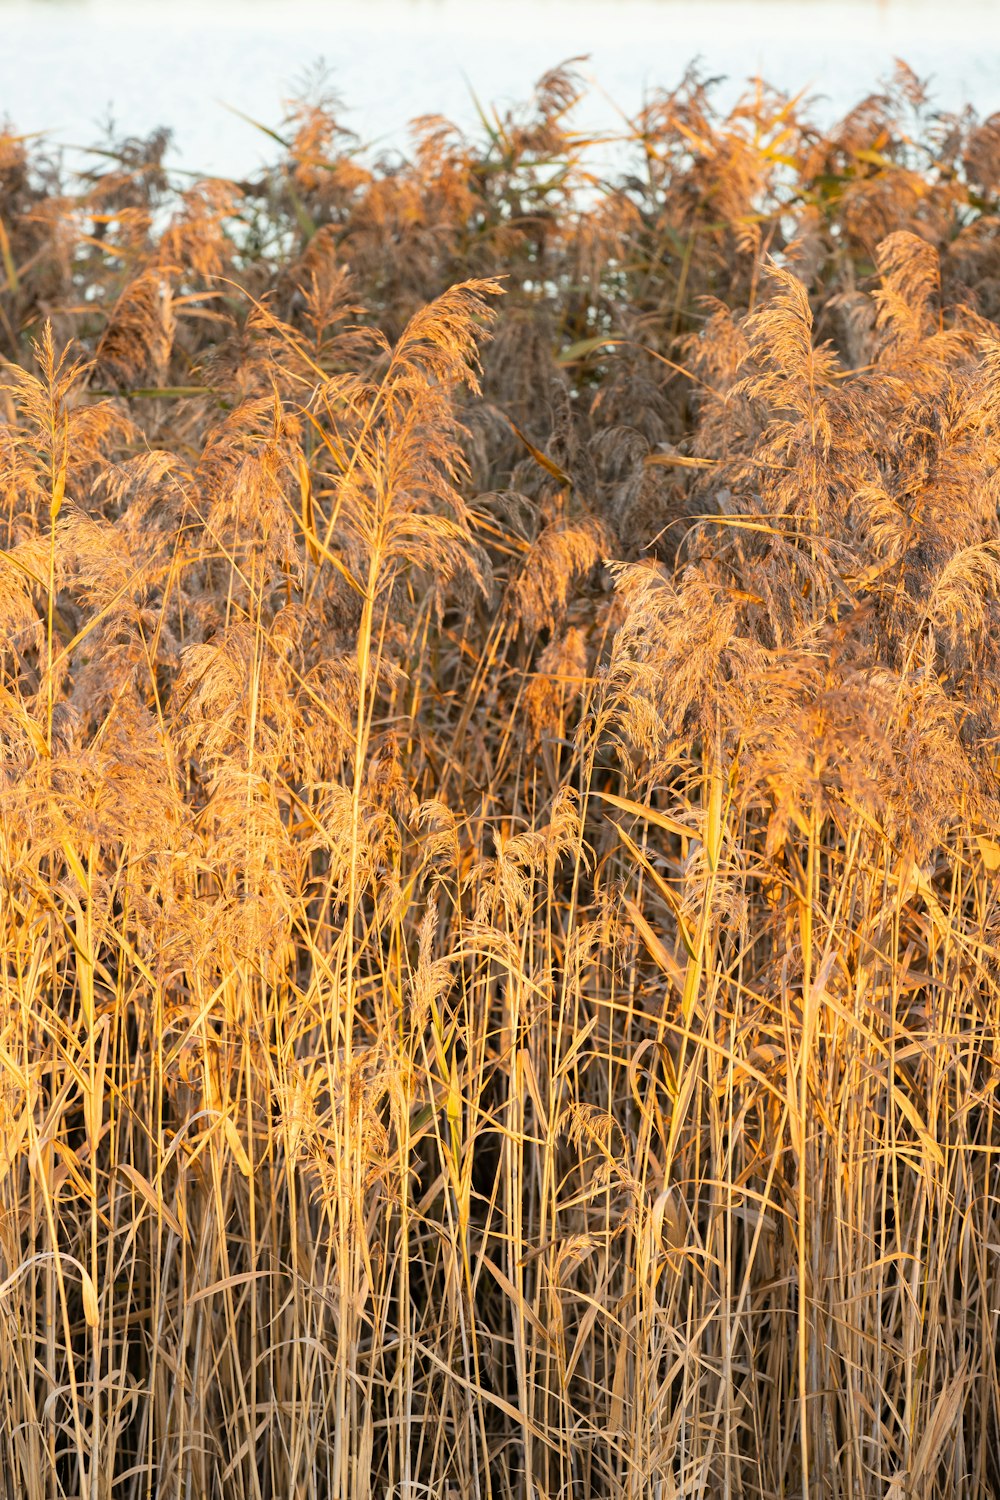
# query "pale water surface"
(65, 63)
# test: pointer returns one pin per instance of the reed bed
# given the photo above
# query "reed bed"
(499, 694)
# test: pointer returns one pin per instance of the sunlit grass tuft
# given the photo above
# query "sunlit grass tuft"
(499, 833)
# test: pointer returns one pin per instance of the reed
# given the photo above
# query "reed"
(499, 694)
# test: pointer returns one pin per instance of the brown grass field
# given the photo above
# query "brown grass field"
(499, 821)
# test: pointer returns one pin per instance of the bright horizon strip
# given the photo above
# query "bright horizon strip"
(64, 63)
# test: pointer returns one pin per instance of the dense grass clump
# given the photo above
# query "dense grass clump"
(499, 829)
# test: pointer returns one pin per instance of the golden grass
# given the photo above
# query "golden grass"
(498, 862)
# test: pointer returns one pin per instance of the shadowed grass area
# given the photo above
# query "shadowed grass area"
(499, 696)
